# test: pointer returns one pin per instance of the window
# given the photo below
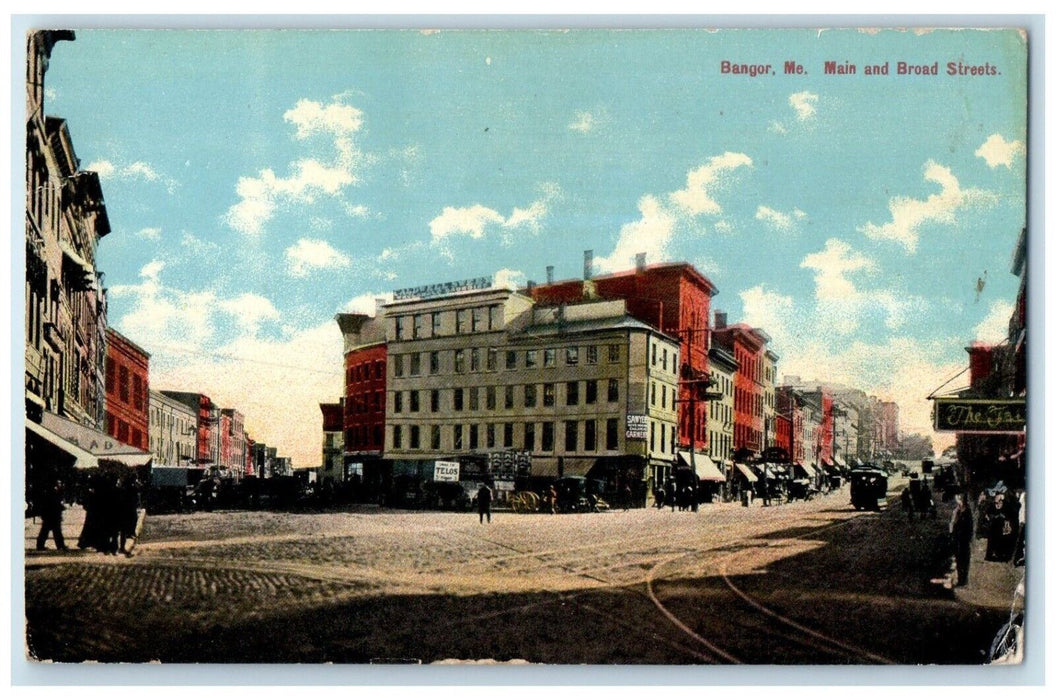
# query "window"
(572, 356)
(460, 361)
(436, 324)
(664, 359)
(548, 394)
(474, 359)
(663, 396)
(399, 328)
(434, 400)
(549, 356)
(592, 354)
(507, 435)
(474, 399)
(415, 438)
(529, 395)
(548, 437)
(414, 401)
(654, 354)
(592, 391)
(571, 435)
(110, 378)
(663, 441)
(416, 332)
(461, 320)
(434, 441)
(652, 393)
(493, 359)
(590, 436)
(459, 395)
(612, 434)
(397, 402)
(614, 390)
(614, 353)
(137, 395)
(434, 362)
(511, 359)
(478, 320)
(572, 393)
(529, 436)
(490, 398)
(397, 365)
(474, 436)
(652, 436)
(495, 318)
(458, 437)
(531, 358)
(489, 431)
(397, 436)
(416, 364)
(122, 383)
(509, 397)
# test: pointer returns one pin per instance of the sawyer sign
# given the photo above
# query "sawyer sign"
(980, 415)
(435, 290)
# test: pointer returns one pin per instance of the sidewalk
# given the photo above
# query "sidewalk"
(991, 584)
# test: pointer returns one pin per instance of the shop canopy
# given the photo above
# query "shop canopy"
(746, 472)
(808, 470)
(82, 459)
(839, 461)
(99, 445)
(572, 466)
(702, 465)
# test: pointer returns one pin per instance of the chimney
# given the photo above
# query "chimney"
(549, 274)
(720, 320)
(639, 262)
(529, 287)
(588, 264)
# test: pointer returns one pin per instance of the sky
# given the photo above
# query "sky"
(259, 182)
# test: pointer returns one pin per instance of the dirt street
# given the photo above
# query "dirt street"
(804, 582)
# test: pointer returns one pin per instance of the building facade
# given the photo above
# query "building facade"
(207, 425)
(332, 467)
(748, 347)
(723, 370)
(233, 441)
(65, 301)
(585, 389)
(675, 299)
(127, 391)
(173, 429)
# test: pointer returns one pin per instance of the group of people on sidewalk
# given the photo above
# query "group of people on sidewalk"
(1000, 521)
(112, 516)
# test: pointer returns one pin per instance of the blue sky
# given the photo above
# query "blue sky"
(260, 182)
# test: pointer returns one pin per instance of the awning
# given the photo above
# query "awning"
(82, 458)
(97, 443)
(839, 462)
(702, 465)
(573, 466)
(746, 472)
(809, 470)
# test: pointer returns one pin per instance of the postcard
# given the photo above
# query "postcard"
(526, 346)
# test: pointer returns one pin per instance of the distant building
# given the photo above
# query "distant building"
(207, 442)
(233, 441)
(333, 464)
(173, 431)
(749, 347)
(723, 370)
(127, 387)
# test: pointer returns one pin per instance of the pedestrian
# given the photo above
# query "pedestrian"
(764, 490)
(627, 496)
(484, 502)
(961, 528)
(907, 502)
(997, 529)
(128, 514)
(659, 496)
(553, 499)
(49, 505)
(92, 531)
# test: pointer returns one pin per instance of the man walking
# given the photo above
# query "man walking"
(961, 529)
(484, 502)
(50, 510)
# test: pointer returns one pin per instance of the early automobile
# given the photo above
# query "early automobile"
(868, 488)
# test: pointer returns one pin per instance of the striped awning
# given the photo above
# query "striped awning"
(95, 442)
(746, 472)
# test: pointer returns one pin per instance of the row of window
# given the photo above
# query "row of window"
(745, 401)
(487, 397)
(653, 430)
(364, 437)
(664, 390)
(661, 358)
(487, 359)
(365, 371)
(474, 320)
(577, 436)
(365, 402)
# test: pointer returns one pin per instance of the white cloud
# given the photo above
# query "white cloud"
(831, 267)
(994, 328)
(262, 195)
(805, 104)
(366, 303)
(770, 311)
(474, 221)
(583, 122)
(138, 170)
(357, 211)
(777, 127)
(509, 279)
(249, 311)
(150, 233)
(196, 246)
(650, 235)
(908, 215)
(696, 198)
(997, 151)
(778, 219)
(309, 254)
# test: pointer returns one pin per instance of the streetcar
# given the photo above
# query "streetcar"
(868, 488)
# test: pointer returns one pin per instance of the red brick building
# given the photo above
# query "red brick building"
(673, 298)
(364, 405)
(783, 434)
(127, 375)
(748, 347)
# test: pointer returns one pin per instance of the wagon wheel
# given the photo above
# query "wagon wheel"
(521, 502)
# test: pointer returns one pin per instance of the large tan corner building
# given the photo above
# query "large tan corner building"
(585, 389)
